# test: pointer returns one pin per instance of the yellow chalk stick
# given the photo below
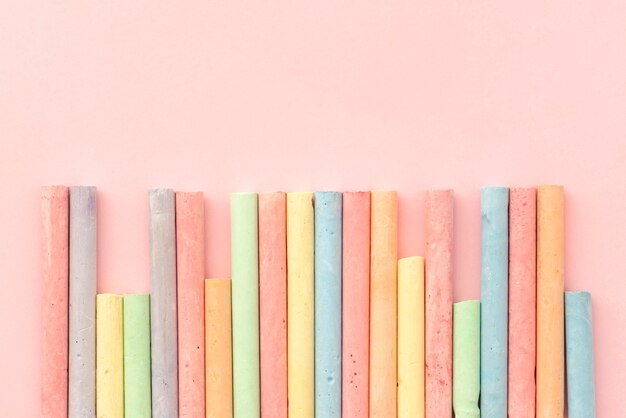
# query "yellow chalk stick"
(109, 356)
(300, 308)
(411, 337)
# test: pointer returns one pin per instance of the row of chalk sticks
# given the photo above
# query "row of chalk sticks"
(320, 318)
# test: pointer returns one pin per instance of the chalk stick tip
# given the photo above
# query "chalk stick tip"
(159, 191)
(468, 302)
(131, 296)
(411, 259)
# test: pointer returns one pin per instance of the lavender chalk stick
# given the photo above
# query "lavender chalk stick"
(581, 400)
(82, 331)
(163, 319)
(494, 301)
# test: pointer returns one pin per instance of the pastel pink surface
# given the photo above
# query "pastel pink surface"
(438, 294)
(356, 304)
(222, 96)
(190, 293)
(273, 303)
(54, 304)
(522, 301)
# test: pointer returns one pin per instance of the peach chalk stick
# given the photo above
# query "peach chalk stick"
(522, 302)
(190, 264)
(411, 337)
(54, 327)
(218, 337)
(110, 356)
(438, 303)
(82, 329)
(383, 304)
(163, 319)
(273, 303)
(300, 331)
(356, 304)
(550, 301)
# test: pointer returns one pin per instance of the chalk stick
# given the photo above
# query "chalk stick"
(244, 240)
(55, 210)
(550, 310)
(581, 402)
(190, 286)
(328, 304)
(466, 359)
(356, 304)
(411, 337)
(110, 356)
(137, 396)
(219, 361)
(82, 328)
(300, 299)
(163, 315)
(383, 304)
(438, 303)
(273, 303)
(522, 302)
(494, 269)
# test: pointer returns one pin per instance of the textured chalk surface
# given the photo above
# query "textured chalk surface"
(244, 239)
(110, 357)
(82, 328)
(550, 311)
(300, 283)
(54, 304)
(383, 304)
(581, 399)
(494, 268)
(190, 285)
(273, 303)
(522, 306)
(356, 304)
(411, 337)
(219, 370)
(466, 359)
(137, 394)
(328, 211)
(438, 303)
(163, 317)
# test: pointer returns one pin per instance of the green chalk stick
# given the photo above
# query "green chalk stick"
(466, 359)
(244, 237)
(137, 396)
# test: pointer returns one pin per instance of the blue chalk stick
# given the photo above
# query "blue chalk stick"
(494, 289)
(581, 400)
(328, 210)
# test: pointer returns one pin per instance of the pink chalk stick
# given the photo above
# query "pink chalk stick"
(522, 292)
(438, 303)
(356, 296)
(190, 287)
(273, 303)
(54, 343)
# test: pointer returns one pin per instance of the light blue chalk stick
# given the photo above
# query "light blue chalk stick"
(581, 399)
(494, 289)
(328, 304)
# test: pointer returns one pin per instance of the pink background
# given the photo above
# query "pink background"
(227, 96)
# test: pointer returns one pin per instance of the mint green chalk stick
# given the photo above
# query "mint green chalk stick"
(244, 239)
(466, 359)
(137, 396)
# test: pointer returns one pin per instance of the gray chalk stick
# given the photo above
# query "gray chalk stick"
(163, 317)
(82, 331)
